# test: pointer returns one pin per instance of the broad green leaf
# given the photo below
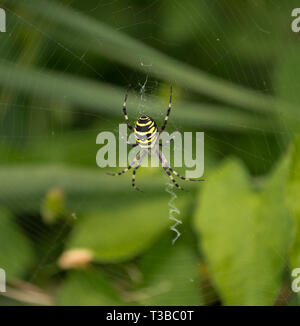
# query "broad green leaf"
(293, 195)
(170, 274)
(16, 254)
(244, 235)
(87, 288)
(124, 230)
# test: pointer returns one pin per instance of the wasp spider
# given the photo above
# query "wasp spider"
(147, 137)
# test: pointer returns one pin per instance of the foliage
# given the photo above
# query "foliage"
(64, 69)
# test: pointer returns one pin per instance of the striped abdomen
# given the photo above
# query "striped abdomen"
(145, 131)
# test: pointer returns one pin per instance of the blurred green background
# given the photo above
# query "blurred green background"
(70, 234)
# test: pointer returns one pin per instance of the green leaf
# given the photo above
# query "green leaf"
(244, 235)
(83, 187)
(181, 22)
(286, 81)
(292, 195)
(101, 97)
(122, 231)
(16, 254)
(169, 274)
(124, 49)
(87, 288)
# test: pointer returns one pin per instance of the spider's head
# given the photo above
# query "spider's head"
(145, 131)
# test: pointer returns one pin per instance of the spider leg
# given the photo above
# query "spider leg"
(182, 177)
(166, 168)
(121, 172)
(172, 178)
(133, 177)
(168, 113)
(139, 157)
(165, 162)
(142, 154)
(125, 112)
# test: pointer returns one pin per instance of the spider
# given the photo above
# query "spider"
(147, 137)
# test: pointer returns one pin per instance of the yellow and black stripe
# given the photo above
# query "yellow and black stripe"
(146, 134)
(145, 131)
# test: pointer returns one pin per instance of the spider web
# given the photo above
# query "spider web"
(219, 54)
